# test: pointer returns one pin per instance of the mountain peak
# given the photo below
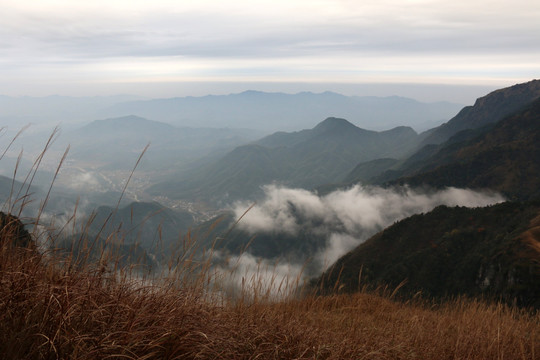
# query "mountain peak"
(128, 120)
(529, 90)
(130, 124)
(486, 110)
(333, 124)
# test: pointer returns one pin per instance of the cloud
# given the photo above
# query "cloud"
(268, 41)
(247, 277)
(338, 245)
(283, 29)
(356, 209)
(85, 181)
(347, 217)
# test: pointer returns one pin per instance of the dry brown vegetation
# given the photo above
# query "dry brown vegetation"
(48, 310)
(532, 236)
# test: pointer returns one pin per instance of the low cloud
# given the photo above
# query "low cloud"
(338, 244)
(347, 217)
(248, 277)
(85, 180)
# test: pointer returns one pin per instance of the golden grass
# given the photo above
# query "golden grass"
(48, 312)
(532, 237)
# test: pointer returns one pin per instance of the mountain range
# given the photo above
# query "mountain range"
(490, 252)
(278, 111)
(305, 159)
(325, 154)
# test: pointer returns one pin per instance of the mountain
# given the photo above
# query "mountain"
(504, 158)
(117, 142)
(490, 252)
(303, 159)
(476, 156)
(151, 226)
(486, 110)
(287, 112)
(125, 127)
(365, 171)
(19, 111)
(118, 137)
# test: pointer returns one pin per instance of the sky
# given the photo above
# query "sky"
(428, 49)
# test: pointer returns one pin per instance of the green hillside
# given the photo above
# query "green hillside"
(451, 251)
(505, 158)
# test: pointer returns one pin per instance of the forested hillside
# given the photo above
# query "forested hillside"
(487, 252)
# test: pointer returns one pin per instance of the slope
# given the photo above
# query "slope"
(488, 109)
(448, 252)
(505, 158)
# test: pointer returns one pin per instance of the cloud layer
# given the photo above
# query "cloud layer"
(163, 41)
(348, 217)
(355, 210)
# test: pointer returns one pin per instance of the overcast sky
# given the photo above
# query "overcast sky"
(175, 48)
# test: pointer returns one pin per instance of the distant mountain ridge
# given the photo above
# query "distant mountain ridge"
(302, 159)
(288, 112)
(119, 141)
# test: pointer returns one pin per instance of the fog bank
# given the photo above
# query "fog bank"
(346, 218)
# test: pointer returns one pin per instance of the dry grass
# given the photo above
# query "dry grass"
(48, 312)
(532, 238)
